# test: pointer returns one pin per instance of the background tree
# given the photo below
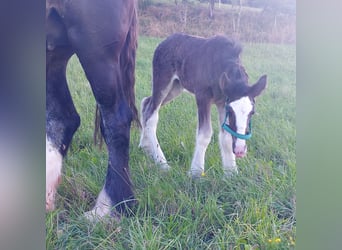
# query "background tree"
(211, 8)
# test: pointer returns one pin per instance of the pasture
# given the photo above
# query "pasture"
(253, 210)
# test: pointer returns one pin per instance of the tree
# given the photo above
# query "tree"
(211, 8)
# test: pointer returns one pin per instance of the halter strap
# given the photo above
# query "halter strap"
(227, 128)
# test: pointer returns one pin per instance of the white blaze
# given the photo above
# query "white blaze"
(241, 107)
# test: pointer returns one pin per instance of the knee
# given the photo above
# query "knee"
(116, 117)
(204, 137)
(124, 115)
(74, 123)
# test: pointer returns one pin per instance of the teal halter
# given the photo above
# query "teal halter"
(227, 128)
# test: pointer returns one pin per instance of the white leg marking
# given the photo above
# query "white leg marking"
(149, 141)
(102, 208)
(53, 173)
(227, 155)
(202, 142)
(148, 138)
(226, 146)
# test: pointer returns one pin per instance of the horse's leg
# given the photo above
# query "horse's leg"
(226, 144)
(203, 137)
(104, 74)
(62, 119)
(150, 114)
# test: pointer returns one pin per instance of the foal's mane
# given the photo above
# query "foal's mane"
(237, 74)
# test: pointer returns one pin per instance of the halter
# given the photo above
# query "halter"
(227, 128)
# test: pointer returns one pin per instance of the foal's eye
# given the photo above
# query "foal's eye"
(230, 111)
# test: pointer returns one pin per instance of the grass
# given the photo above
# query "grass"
(253, 210)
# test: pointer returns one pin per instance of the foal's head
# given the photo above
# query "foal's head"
(240, 100)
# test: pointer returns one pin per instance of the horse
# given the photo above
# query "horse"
(210, 69)
(103, 35)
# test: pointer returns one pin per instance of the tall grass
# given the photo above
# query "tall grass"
(253, 210)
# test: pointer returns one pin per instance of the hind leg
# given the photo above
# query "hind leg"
(62, 120)
(150, 115)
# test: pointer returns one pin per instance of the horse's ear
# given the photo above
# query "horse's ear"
(257, 88)
(224, 82)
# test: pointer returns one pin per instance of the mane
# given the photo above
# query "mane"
(232, 46)
(239, 76)
(243, 74)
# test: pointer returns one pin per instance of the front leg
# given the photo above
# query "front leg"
(117, 191)
(226, 145)
(203, 137)
(117, 194)
(202, 141)
(227, 155)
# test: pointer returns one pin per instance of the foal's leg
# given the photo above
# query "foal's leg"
(62, 119)
(226, 144)
(150, 114)
(204, 133)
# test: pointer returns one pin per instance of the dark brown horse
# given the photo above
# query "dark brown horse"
(211, 70)
(103, 35)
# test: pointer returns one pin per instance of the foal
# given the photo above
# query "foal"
(211, 70)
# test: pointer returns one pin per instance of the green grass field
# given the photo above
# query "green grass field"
(254, 210)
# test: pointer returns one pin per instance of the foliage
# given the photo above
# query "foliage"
(253, 210)
(280, 6)
(248, 24)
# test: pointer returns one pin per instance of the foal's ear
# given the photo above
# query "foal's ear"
(224, 82)
(257, 88)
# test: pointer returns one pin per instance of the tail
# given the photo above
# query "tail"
(127, 65)
(98, 139)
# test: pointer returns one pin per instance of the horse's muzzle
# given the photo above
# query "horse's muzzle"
(240, 151)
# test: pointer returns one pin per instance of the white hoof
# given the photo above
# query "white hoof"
(195, 173)
(53, 174)
(102, 210)
(96, 215)
(164, 167)
(230, 172)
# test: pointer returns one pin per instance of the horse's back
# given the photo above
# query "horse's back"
(195, 59)
(177, 44)
(183, 47)
(93, 25)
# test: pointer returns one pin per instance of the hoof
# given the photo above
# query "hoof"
(230, 172)
(164, 167)
(196, 174)
(53, 174)
(96, 215)
(50, 195)
(49, 203)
